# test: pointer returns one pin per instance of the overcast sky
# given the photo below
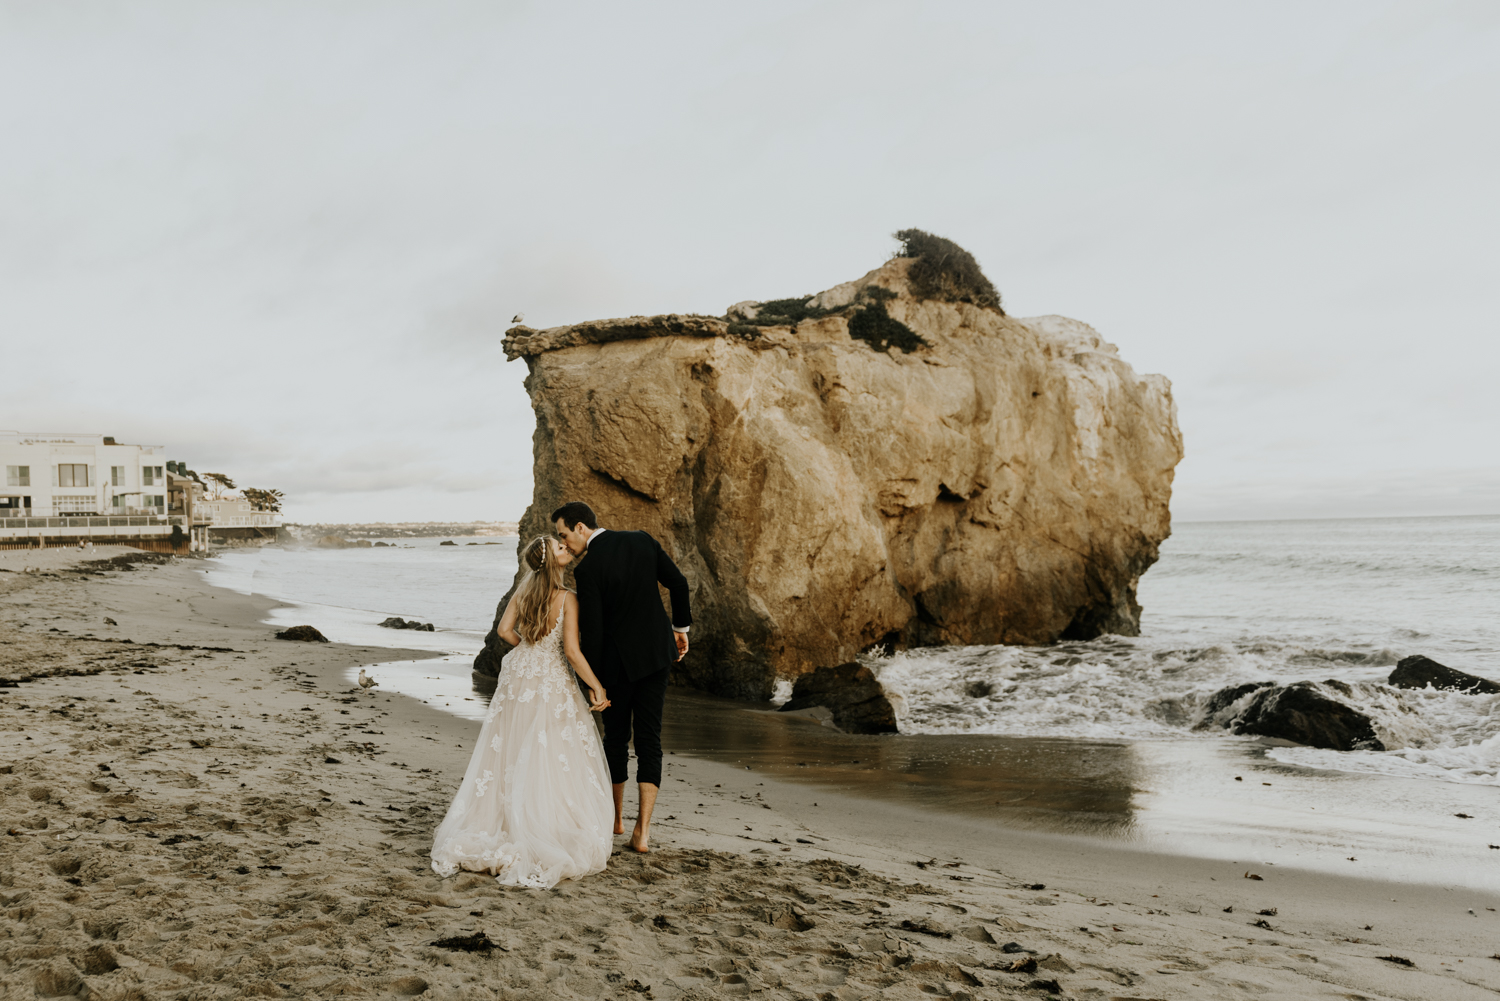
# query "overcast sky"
(285, 239)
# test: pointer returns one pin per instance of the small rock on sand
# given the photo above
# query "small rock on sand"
(304, 634)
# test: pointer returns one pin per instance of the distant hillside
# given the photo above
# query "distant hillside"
(402, 530)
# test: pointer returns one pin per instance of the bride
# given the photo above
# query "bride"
(534, 806)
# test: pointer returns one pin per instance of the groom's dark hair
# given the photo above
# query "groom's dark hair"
(573, 512)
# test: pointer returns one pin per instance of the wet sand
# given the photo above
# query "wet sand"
(1211, 797)
(221, 816)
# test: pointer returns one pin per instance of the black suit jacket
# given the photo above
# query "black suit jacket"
(621, 624)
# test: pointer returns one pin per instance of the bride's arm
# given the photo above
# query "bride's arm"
(507, 627)
(575, 654)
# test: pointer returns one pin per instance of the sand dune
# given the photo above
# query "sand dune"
(219, 815)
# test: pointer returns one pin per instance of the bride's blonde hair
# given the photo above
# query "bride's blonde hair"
(534, 597)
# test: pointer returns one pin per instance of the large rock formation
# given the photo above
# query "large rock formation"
(864, 466)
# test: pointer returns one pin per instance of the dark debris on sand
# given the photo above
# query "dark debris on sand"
(477, 942)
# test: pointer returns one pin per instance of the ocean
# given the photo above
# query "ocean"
(1235, 602)
(1091, 739)
(346, 593)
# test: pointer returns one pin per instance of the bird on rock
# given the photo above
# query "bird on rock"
(518, 318)
(365, 681)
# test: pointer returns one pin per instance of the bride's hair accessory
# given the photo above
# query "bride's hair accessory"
(534, 596)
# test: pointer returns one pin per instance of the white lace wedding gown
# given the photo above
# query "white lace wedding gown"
(534, 806)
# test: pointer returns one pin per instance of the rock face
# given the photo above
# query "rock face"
(859, 467)
(851, 692)
(1420, 672)
(1331, 714)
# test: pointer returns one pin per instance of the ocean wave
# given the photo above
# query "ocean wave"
(1122, 688)
(1474, 764)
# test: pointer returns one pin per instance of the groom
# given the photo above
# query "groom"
(625, 636)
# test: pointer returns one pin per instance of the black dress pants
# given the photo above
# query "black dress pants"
(638, 706)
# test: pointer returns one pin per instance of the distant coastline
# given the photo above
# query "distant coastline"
(401, 529)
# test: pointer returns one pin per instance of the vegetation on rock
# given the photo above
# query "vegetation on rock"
(945, 271)
(941, 270)
(869, 320)
(882, 331)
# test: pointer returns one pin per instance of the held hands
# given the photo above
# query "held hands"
(597, 701)
(682, 644)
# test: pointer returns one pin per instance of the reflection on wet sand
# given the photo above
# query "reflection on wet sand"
(484, 685)
(1056, 784)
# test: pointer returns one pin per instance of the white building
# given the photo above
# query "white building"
(235, 512)
(60, 489)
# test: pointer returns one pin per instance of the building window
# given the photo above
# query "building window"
(74, 505)
(18, 476)
(117, 476)
(151, 476)
(72, 474)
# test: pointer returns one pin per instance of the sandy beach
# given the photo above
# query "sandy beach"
(194, 809)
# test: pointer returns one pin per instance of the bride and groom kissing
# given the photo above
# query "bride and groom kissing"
(532, 808)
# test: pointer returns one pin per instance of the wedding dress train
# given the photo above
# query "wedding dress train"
(534, 806)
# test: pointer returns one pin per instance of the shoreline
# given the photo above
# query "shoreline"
(262, 829)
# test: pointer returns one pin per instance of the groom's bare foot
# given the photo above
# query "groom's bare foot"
(641, 839)
(619, 825)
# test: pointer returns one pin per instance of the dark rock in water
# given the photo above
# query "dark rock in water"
(450, 542)
(338, 542)
(1419, 672)
(851, 693)
(1226, 697)
(305, 634)
(1304, 713)
(381, 545)
(396, 622)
